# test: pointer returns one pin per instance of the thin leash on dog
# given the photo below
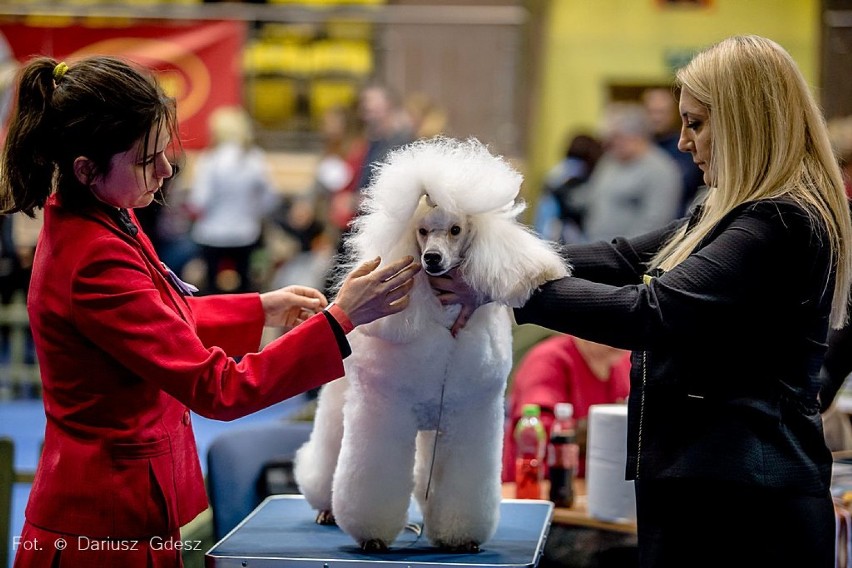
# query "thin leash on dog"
(417, 528)
(414, 527)
(437, 434)
(437, 427)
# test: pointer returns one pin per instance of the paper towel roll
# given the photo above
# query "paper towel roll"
(610, 496)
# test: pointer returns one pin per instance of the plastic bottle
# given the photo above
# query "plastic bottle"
(563, 455)
(531, 444)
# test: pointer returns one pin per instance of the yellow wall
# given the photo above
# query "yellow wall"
(588, 45)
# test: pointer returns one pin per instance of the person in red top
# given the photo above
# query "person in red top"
(125, 351)
(564, 368)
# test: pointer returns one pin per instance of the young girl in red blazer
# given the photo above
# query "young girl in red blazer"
(125, 351)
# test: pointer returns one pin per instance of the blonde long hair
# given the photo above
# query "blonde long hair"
(769, 140)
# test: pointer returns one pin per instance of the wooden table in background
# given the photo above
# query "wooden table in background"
(578, 514)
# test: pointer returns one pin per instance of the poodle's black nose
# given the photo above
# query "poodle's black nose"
(432, 259)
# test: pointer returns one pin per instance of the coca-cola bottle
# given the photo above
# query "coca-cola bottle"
(563, 455)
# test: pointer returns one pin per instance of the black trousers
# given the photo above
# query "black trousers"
(699, 523)
(240, 260)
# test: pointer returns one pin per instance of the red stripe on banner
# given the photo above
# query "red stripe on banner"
(200, 64)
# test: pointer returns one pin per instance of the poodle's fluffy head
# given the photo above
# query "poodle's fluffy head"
(453, 203)
(460, 177)
(442, 237)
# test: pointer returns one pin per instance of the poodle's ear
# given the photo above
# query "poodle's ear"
(506, 261)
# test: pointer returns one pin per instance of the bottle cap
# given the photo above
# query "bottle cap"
(531, 410)
(563, 410)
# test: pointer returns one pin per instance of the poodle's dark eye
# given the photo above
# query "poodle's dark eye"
(455, 230)
(422, 231)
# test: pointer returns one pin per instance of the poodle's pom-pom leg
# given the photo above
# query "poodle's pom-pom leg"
(373, 484)
(374, 545)
(316, 460)
(325, 517)
(464, 548)
(462, 508)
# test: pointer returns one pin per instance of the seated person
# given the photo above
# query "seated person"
(563, 368)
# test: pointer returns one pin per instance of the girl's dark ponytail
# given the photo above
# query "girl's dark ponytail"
(27, 169)
(95, 108)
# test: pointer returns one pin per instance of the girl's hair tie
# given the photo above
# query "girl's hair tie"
(59, 71)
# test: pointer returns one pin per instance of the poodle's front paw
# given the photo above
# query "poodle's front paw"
(325, 517)
(374, 545)
(464, 548)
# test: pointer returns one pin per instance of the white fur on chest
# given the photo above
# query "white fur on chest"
(432, 365)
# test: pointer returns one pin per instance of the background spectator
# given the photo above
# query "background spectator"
(661, 106)
(385, 125)
(561, 209)
(386, 128)
(231, 195)
(840, 131)
(426, 117)
(564, 368)
(338, 171)
(636, 186)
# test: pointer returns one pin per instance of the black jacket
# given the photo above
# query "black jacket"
(727, 346)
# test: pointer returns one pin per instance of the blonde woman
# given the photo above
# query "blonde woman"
(726, 314)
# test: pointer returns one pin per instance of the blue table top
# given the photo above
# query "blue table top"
(282, 532)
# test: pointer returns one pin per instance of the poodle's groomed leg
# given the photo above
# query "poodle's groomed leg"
(316, 460)
(462, 508)
(325, 517)
(423, 466)
(373, 482)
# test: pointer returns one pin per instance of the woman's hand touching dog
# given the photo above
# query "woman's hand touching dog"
(369, 293)
(366, 295)
(451, 288)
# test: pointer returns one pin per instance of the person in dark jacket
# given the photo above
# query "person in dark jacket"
(726, 314)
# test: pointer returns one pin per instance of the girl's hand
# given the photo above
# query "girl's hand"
(289, 306)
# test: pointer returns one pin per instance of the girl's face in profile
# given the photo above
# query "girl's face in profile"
(132, 181)
(695, 135)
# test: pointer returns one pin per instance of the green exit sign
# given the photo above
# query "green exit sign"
(677, 58)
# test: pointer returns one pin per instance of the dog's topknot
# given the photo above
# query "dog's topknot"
(461, 176)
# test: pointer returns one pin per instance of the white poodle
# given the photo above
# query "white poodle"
(374, 443)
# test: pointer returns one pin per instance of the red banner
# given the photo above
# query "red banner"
(200, 64)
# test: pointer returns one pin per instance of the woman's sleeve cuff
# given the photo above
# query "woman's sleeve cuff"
(341, 317)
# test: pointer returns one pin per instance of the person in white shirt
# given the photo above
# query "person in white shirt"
(231, 194)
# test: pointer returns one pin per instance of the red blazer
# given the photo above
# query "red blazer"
(124, 357)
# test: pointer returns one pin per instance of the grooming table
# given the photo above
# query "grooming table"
(282, 532)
